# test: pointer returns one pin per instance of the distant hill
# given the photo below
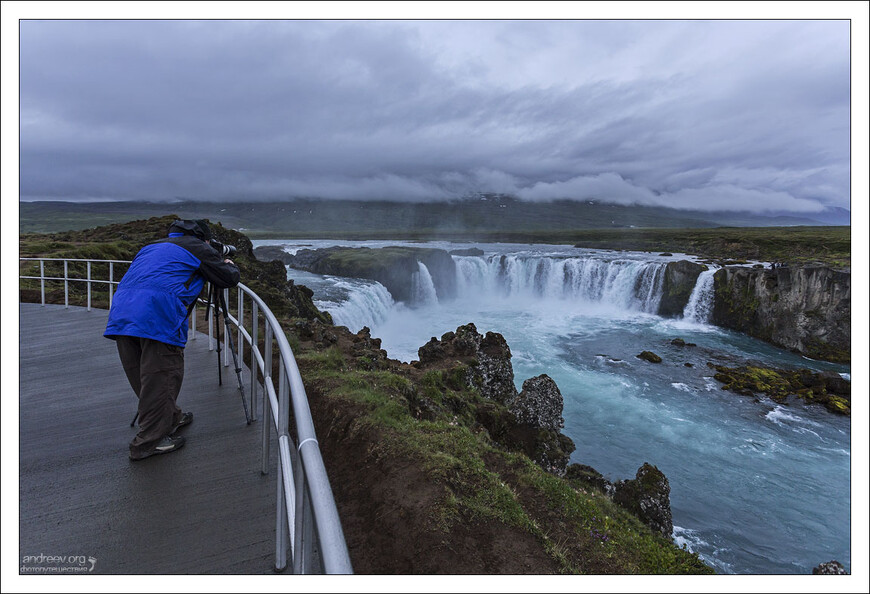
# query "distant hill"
(484, 214)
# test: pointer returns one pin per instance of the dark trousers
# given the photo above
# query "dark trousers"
(155, 371)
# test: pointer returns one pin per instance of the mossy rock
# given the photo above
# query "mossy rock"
(649, 356)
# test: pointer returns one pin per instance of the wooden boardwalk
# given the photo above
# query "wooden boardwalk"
(205, 509)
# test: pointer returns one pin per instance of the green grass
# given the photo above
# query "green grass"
(582, 530)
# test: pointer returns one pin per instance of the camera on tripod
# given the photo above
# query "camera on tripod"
(224, 249)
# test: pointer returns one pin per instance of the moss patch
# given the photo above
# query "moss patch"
(779, 384)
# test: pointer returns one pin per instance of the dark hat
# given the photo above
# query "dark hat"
(203, 227)
(198, 228)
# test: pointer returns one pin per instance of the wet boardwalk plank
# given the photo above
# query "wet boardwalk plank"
(205, 509)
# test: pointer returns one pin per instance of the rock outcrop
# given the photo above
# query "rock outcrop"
(529, 421)
(827, 388)
(805, 309)
(647, 495)
(488, 357)
(539, 404)
(679, 281)
(649, 356)
(830, 568)
(397, 268)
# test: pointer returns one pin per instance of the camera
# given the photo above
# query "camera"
(224, 249)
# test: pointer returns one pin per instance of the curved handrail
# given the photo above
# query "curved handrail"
(315, 490)
(306, 517)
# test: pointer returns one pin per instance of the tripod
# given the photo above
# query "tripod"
(216, 297)
(215, 300)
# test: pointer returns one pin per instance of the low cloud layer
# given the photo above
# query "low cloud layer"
(718, 115)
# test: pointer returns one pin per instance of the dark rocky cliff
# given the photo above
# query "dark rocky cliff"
(679, 281)
(805, 309)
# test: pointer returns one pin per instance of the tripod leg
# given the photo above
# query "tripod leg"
(229, 336)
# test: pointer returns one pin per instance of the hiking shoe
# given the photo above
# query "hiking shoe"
(186, 419)
(164, 446)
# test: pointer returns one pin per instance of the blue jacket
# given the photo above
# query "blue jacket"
(164, 279)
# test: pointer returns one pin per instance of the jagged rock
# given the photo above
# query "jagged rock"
(528, 422)
(367, 350)
(488, 358)
(806, 309)
(681, 343)
(539, 404)
(830, 568)
(538, 412)
(648, 497)
(677, 286)
(649, 356)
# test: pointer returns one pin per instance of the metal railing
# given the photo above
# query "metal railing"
(67, 279)
(308, 529)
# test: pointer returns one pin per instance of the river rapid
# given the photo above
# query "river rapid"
(756, 487)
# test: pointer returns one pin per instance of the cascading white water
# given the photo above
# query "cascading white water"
(422, 287)
(700, 304)
(673, 415)
(628, 284)
(368, 303)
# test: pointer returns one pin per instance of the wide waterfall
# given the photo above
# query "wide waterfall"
(757, 486)
(627, 284)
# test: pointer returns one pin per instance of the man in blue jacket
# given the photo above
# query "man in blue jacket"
(148, 321)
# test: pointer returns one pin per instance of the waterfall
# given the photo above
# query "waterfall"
(700, 303)
(625, 283)
(367, 303)
(422, 287)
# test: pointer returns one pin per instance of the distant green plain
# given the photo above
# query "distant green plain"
(582, 225)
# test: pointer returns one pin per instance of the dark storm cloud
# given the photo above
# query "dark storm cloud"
(710, 115)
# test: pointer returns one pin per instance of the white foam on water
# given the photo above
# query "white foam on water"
(781, 416)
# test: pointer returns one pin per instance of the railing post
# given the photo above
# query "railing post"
(255, 345)
(300, 546)
(209, 313)
(66, 283)
(282, 526)
(226, 333)
(193, 320)
(89, 285)
(42, 280)
(267, 405)
(239, 336)
(111, 282)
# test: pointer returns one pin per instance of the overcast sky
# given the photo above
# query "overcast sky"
(735, 115)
